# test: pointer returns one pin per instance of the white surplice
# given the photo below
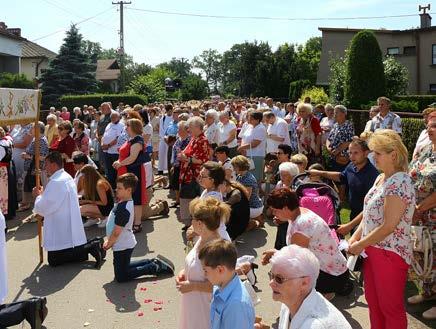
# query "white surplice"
(59, 205)
(3, 268)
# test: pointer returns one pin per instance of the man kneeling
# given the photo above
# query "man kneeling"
(64, 236)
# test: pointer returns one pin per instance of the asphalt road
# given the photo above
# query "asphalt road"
(80, 296)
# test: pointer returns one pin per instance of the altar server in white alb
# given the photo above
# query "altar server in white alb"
(165, 121)
(33, 310)
(64, 236)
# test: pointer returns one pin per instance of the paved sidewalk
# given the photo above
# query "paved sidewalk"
(80, 296)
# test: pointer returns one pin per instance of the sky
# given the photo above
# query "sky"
(153, 38)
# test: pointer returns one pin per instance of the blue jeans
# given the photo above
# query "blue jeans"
(110, 172)
(126, 270)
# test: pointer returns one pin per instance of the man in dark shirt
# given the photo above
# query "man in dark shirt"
(101, 127)
(359, 176)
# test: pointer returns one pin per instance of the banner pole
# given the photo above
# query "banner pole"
(38, 177)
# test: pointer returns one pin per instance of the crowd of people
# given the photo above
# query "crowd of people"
(231, 166)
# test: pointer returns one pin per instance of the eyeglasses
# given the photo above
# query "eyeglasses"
(279, 280)
(201, 177)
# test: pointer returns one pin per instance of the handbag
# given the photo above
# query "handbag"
(189, 190)
(422, 245)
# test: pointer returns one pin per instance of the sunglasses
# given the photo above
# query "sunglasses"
(279, 280)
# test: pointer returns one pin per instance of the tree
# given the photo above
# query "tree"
(365, 79)
(179, 66)
(209, 61)
(317, 95)
(10, 80)
(284, 59)
(194, 87)
(152, 85)
(92, 49)
(397, 77)
(70, 72)
(338, 73)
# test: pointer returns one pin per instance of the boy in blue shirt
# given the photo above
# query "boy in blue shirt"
(231, 305)
(122, 240)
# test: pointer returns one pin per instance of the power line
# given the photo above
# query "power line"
(77, 23)
(270, 18)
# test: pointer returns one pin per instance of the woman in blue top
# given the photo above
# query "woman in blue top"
(241, 166)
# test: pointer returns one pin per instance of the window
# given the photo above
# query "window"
(393, 51)
(433, 88)
(433, 52)
(409, 50)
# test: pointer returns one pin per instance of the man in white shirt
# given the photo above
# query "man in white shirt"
(277, 132)
(109, 146)
(386, 119)
(64, 235)
(164, 122)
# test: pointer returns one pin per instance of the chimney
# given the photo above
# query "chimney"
(3, 26)
(15, 31)
(425, 17)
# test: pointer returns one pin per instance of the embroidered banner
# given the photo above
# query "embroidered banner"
(18, 105)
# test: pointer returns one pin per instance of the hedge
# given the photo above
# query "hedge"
(96, 100)
(423, 100)
(398, 106)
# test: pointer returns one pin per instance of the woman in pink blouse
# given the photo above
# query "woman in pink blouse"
(384, 232)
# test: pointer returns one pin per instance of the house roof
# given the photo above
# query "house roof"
(354, 30)
(33, 50)
(107, 69)
(10, 35)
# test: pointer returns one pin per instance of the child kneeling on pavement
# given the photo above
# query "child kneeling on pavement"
(122, 240)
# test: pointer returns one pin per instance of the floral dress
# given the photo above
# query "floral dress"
(292, 126)
(341, 134)
(306, 134)
(422, 169)
(399, 242)
(198, 147)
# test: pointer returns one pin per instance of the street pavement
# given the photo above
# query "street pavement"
(79, 296)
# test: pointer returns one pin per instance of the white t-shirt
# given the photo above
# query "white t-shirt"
(212, 133)
(255, 133)
(224, 133)
(278, 128)
(123, 215)
(112, 131)
(148, 130)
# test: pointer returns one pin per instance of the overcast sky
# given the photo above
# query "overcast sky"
(153, 38)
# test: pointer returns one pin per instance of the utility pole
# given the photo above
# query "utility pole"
(121, 48)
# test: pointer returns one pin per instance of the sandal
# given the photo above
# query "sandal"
(137, 228)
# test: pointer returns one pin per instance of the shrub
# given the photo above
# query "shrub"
(411, 129)
(317, 95)
(359, 120)
(365, 78)
(296, 88)
(397, 106)
(397, 77)
(423, 101)
(10, 80)
(95, 100)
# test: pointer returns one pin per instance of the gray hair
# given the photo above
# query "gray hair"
(77, 109)
(52, 117)
(297, 261)
(341, 108)
(290, 168)
(304, 106)
(329, 106)
(41, 126)
(182, 125)
(196, 121)
(224, 113)
(213, 114)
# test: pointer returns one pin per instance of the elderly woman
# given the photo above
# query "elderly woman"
(65, 145)
(191, 158)
(384, 232)
(293, 276)
(339, 138)
(51, 129)
(254, 142)
(241, 166)
(327, 123)
(211, 130)
(373, 111)
(308, 230)
(423, 139)
(80, 138)
(227, 133)
(308, 133)
(423, 172)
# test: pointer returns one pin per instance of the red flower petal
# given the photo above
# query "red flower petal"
(140, 313)
(146, 301)
(159, 302)
(157, 309)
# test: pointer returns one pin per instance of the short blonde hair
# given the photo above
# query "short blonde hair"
(209, 211)
(241, 162)
(387, 140)
(304, 106)
(299, 158)
(428, 110)
(135, 125)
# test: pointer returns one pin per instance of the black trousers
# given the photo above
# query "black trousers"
(328, 283)
(70, 255)
(12, 314)
(282, 230)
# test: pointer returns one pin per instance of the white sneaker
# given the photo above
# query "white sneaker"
(90, 222)
(102, 223)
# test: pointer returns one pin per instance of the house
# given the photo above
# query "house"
(414, 48)
(108, 72)
(19, 55)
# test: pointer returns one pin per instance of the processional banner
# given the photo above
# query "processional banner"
(19, 105)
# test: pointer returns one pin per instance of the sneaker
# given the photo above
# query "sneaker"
(165, 265)
(90, 222)
(102, 223)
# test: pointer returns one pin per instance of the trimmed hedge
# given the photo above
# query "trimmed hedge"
(398, 106)
(96, 100)
(423, 101)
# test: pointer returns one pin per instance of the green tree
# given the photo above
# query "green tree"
(307, 60)
(209, 61)
(365, 80)
(397, 77)
(70, 72)
(179, 66)
(10, 80)
(152, 85)
(194, 87)
(316, 94)
(338, 73)
(92, 49)
(284, 59)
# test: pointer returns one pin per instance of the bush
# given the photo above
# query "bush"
(359, 120)
(397, 77)
(397, 106)
(365, 79)
(317, 95)
(296, 88)
(96, 100)
(423, 101)
(411, 129)
(10, 80)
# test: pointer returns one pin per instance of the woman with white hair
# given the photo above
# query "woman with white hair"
(287, 171)
(309, 133)
(293, 276)
(51, 129)
(211, 130)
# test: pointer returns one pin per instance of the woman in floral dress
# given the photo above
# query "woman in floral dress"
(309, 133)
